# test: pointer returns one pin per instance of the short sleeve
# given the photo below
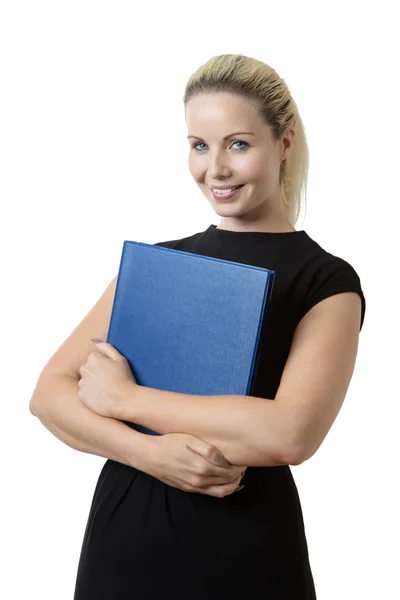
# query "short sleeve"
(336, 277)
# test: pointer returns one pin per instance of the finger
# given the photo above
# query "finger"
(221, 491)
(218, 481)
(209, 452)
(107, 349)
(218, 475)
(211, 479)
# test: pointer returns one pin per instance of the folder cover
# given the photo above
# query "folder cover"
(189, 323)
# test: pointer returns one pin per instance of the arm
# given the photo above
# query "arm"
(255, 431)
(181, 461)
(55, 402)
(247, 430)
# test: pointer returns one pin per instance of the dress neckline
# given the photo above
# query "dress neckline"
(228, 232)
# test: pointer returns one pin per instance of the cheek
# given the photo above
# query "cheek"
(266, 170)
(194, 167)
(257, 169)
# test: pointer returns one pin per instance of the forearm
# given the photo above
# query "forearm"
(56, 404)
(247, 430)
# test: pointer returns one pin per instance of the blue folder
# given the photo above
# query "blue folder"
(189, 323)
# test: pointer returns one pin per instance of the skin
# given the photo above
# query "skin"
(253, 160)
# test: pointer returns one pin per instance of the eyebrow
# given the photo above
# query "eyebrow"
(226, 137)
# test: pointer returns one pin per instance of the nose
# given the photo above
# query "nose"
(218, 168)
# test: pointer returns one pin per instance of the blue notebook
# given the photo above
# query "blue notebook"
(189, 323)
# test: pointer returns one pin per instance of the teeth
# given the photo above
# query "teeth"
(226, 191)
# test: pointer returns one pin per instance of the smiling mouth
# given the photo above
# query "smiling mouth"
(225, 193)
(226, 188)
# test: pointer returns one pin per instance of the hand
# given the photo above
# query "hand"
(193, 465)
(103, 378)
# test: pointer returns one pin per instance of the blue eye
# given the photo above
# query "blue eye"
(236, 142)
(241, 142)
(196, 144)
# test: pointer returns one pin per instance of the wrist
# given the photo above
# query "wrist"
(143, 454)
(126, 403)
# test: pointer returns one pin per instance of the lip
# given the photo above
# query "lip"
(220, 198)
(223, 187)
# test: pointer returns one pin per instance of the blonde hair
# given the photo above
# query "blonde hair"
(260, 83)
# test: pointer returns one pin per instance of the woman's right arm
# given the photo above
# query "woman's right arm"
(177, 459)
(56, 404)
(55, 398)
(180, 460)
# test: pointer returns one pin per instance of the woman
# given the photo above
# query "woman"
(168, 515)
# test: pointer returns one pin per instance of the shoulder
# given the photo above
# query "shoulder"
(320, 264)
(315, 255)
(321, 274)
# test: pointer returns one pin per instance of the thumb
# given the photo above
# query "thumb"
(107, 349)
(209, 452)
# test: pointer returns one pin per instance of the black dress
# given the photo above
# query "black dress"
(146, 540)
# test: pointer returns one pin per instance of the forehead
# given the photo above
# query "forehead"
(218, 112)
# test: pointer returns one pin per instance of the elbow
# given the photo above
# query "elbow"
(37, 399)
(275, 451)
(292, 456)
(35, 403)
(301, 453)
(37, 406)
(296, 457)
(294, 452)
(283, 455)
(298, 447)
(289, 452)
(33, 407)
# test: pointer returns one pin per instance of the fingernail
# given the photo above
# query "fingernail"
(95, 340)
(239, 488)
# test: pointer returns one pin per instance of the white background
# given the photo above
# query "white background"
(94, 151)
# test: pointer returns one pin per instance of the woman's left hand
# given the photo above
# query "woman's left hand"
(105, 377)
